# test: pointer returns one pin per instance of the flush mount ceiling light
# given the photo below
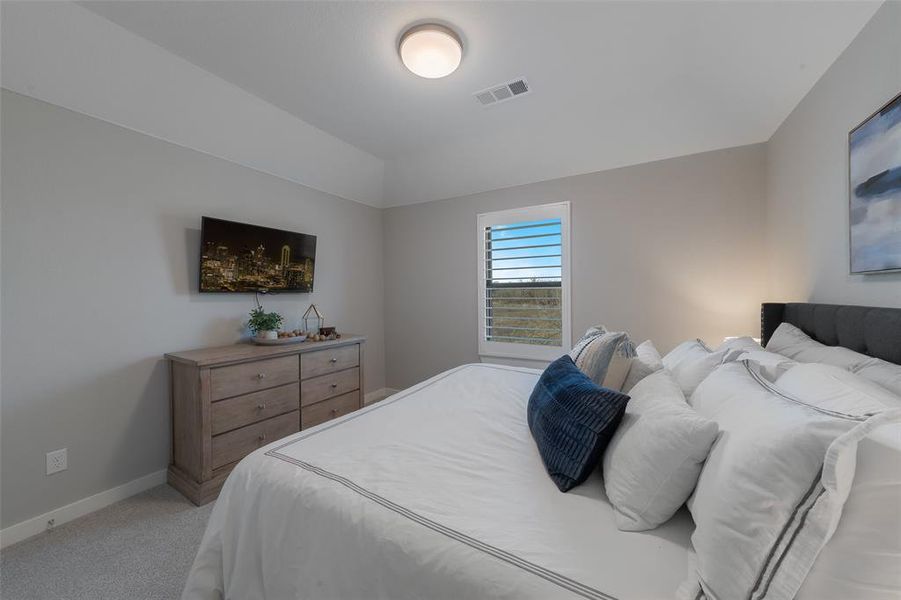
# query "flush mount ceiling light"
(431, 50)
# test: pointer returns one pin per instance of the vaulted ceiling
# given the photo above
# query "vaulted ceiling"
(613, 83)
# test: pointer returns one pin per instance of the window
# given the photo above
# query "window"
(524, 282)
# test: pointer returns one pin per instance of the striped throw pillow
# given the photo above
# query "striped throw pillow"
(605, 356)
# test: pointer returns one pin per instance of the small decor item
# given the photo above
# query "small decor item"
(264, 325)
(874, 174)
(284, 337)
(313, 321)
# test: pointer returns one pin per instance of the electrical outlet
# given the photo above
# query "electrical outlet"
(57, 461)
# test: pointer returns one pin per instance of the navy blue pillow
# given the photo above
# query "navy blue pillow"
(572, 420)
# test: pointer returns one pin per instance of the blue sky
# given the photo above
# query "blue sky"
(526, 263)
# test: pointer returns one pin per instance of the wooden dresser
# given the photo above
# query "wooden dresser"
(229, 401)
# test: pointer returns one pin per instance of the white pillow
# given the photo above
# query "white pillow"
(744, 343)
(790, 341)
(693, 364)
(652, 462)
(884, 373)
(680, 351)
(833, 388)
(771, 492)
(604, 356)
(862, 559)
(646, 361)
(771, 365)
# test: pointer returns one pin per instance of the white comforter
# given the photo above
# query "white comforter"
(436, 492)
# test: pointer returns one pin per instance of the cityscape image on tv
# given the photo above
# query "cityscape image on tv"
(236, 257)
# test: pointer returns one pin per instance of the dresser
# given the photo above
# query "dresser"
(228, 401)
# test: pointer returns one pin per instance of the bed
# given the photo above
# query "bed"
(439, 492)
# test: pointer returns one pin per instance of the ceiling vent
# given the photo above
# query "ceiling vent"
(502, 92)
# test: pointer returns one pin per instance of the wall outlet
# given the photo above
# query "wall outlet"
(57, 461)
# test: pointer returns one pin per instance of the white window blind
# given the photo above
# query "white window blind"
(523, 282)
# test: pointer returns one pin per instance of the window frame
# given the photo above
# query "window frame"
(487, 348)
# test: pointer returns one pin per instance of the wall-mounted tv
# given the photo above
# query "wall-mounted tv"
(237, 257)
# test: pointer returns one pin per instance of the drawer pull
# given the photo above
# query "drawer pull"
(261, 376)
(262, 437)
(261, 407)
(334, 385)
(333, 360)
(334, 412)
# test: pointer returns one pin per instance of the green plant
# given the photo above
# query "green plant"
(260, 320)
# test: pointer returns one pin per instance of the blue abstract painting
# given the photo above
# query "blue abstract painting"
(875, 178)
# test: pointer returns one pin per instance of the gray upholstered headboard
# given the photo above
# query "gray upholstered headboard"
(866, 329)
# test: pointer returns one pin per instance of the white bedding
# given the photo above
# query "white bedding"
(436, 492)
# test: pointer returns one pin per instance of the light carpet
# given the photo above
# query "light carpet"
(138, 549)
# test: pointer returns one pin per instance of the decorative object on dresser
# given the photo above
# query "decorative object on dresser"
(264, 325)
(288, 337)
(228, 401)
(874, 175)
(312, 320)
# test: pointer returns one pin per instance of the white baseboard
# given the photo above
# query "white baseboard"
(26, 529)
(377, 395)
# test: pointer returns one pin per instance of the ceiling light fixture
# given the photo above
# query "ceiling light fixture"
(431, 50)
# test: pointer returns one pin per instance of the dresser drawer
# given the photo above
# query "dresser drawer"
(235, 380)
(321, 362)
(321, 412)
(235, 445)
(324, 387)
(242, 410)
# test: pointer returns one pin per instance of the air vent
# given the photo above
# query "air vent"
(502, 92)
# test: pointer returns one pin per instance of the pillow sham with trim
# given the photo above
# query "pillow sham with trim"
(790, 341)
(834, 388)
(772, 490)
(861, 560)
(771, 365)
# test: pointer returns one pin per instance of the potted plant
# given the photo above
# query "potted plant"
(264, 325)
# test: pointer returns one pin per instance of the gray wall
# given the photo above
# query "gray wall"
(807, 174)
(100, 241)
(100, 247)
(669, 250)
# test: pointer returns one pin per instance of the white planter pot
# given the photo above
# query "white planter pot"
(267, 335)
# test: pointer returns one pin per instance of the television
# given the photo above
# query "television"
(238, 257)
